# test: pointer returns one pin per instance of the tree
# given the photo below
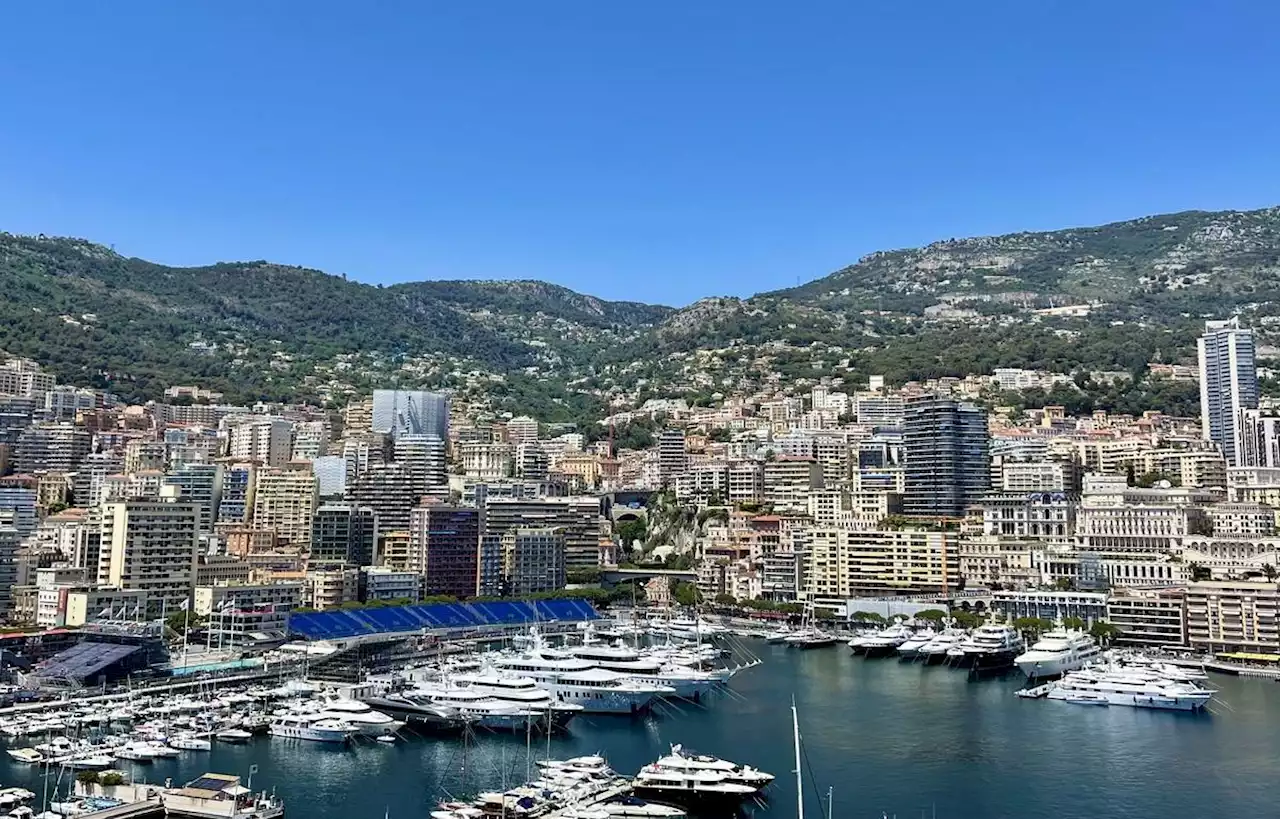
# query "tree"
(867, 617)
(726, 600)
(1269, 570)
(1064, 584)
(180, 621)
(932, 615)
(1034, 626)
(1073, 623)
(720, 435)
(585, 576)
(632, 531)
(1104, 632)
(967, 619)
(1199, 572)
(685, 594)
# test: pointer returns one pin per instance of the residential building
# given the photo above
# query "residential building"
(343, 534)
(1039, 476)
(10, 541)
(51, 448)
(522, 430)
(310, 440)
(389, 490)
(1148, 617)
(579, 518)
(423, 458)
(673, 455)
(235, 501)
(413, 412)
(200, 484)
(486, 461)
(284, 501)
(746, 482)
(532, 462)
(788, 482)
(330, 588)
(1051, 605)
(848, 563)
(945, 460)
(382, 583)
(265, 440)
(217, 569)
(1049, 516)
(445, 544)
(533, 561)
(23, 377)
(1228, 384)
(1114, 517)
(1260, 438)
(1233, 616)
(331, 475)
(151, 545)
(107, 603)
(236, 611)
(88, 484)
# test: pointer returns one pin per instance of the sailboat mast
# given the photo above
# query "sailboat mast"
(795, 727)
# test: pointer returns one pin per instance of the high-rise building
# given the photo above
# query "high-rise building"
(10, 539)
(51, 448)
(1228, 384)
(200, 484)
(22, 503)
(533, 561)
(522, 430)
(310, 440)
(389, 491)
(268, 441)
(578, 518)
(88, 485)
(673, 455)
(145, 453)
(284, 501)
(151, 545)
(235, 502)
(945, 457)
(331, 472)
(413, 412)
(445, 545)
(343, 535)
(423, 458)
(1260, 438)
(531, 462)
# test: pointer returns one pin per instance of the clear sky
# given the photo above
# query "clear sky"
(659, 150)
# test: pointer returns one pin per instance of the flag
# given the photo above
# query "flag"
(183, 605)
(253, 769)
(104, 614)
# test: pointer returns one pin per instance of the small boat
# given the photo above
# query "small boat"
(186, 742)
(235, 735)
(28, 755)
(386, 739)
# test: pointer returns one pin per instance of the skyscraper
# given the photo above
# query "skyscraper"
(945, 456)
(151, 545)
(343, 535)
(445, 548)
(415, 412)
(1228, 384)
(673, 455)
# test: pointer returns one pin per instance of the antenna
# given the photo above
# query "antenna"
(795, 727)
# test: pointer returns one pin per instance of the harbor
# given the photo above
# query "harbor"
(887, 736)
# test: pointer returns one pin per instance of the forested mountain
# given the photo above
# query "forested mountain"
(1138, 292)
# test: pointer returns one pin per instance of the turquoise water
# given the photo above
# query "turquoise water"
(888, 737)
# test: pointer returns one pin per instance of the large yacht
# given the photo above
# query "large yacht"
(910, 647)
(990, 648)
(579, 682)
(937, 650)
(714, 785)
(421, 712)
(1058, 652)
(523, 692)
(885, 642)
(688, 683)
(481, 709)
(299, 727)
(683, 760)
(1127, 687)
(365, 720)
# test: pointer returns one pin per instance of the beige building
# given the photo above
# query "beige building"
(1148, 617)
(284, 501)
(788, 482)
(268, 441)
(330, 588)
(212, 569)
(845, 563)
(106, 603)
(1233, 615)
(150, 545)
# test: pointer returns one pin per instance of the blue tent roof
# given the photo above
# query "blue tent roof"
(333, 625)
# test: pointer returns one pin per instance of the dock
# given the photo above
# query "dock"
(1036, 692)
(148, 809)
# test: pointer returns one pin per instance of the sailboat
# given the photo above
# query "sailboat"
(809, 635)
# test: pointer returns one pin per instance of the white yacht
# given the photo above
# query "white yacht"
(911, 646)
(233, 735)
(937, 650)
(136, 752)
(1058, 652)
(885, 642)
(363, 718)
(990, 648)
(521, 692)
(479, 708)
(190, 742)
(579, 682)
(681, 760)
(687, 682)
(1122, 687)
(711, 791)
(300, 727)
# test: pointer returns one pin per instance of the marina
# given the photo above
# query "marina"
(888, 736)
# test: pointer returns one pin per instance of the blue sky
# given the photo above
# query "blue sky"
(656, 150)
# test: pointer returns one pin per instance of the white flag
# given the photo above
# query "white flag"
(183, 605)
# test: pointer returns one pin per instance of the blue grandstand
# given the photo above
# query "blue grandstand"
(338, 625)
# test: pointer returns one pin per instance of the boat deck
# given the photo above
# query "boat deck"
(572, 810)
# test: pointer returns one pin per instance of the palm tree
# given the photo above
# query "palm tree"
(1269, 570)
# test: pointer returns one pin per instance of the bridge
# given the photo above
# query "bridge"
(612, 577)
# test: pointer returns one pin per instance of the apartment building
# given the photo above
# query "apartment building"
(1233, 615)
(1148, 617)
(788, 482)
(265, 440)
(151, 546)
(284, 501)
(846, 563)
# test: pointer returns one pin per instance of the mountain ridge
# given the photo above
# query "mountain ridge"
(258, 329)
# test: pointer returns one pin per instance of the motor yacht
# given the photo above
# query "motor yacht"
(709, 791)
(363, 718)
(990, 648)
(1122, 687)
(324, 730)
(481, 709)
(886, 642)
(909, 649)
(233, 735)
(29, 756)
(579, 682)
(138, 752)
(683, 760)
(811, 638)
(1057, 652)
(521, 692)
(190, 742)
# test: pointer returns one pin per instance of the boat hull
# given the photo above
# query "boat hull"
(710, 802)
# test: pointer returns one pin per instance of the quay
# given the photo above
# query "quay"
(146, 809)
